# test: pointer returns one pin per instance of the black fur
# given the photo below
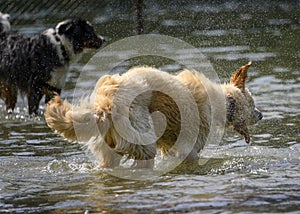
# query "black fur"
(30, 62)
(1, 29)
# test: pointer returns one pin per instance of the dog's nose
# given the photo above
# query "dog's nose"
(257, 114)
(260, 116)
(102, 39)
(95, 42)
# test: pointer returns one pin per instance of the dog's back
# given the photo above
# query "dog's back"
(27, 58)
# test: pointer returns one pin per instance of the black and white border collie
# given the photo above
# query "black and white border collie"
(37, 65)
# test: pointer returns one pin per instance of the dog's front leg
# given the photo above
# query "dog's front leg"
(11, 98)
(34, 97)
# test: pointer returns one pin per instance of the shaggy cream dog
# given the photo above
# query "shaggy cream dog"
(144, 109)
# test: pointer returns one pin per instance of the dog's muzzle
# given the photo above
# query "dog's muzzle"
(95, 42)
(258, 115)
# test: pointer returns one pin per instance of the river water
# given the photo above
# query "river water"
(41, 172)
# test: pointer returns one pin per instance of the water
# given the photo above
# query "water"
(41, 172)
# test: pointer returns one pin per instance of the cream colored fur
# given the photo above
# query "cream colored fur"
(123, 117)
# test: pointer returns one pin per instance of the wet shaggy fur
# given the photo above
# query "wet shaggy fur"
(121, 116)
(37, 65)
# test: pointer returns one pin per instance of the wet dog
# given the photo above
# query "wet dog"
(37, 65)
(117, 120)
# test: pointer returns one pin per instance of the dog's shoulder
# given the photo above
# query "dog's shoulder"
(52, 36)
(63, 48)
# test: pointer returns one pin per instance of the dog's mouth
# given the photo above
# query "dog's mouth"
(94, 43)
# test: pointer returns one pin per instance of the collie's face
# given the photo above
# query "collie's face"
(80, 33)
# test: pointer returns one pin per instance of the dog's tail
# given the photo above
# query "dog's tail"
(59, 116)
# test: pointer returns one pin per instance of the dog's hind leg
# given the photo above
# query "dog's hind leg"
(10, 94)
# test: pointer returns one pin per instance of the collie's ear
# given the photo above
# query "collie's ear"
(64, 27)
(238, 79)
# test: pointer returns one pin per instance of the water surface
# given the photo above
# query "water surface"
(40, 171)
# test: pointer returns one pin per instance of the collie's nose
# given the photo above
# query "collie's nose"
(258, 114)
(102, 39)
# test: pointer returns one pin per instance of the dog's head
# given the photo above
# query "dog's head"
(80, 33)
(4, 23)
(241, 110)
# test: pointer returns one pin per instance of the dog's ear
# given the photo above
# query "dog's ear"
(238, 79)
(63, 28)
(230, 105)
(243, 130)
